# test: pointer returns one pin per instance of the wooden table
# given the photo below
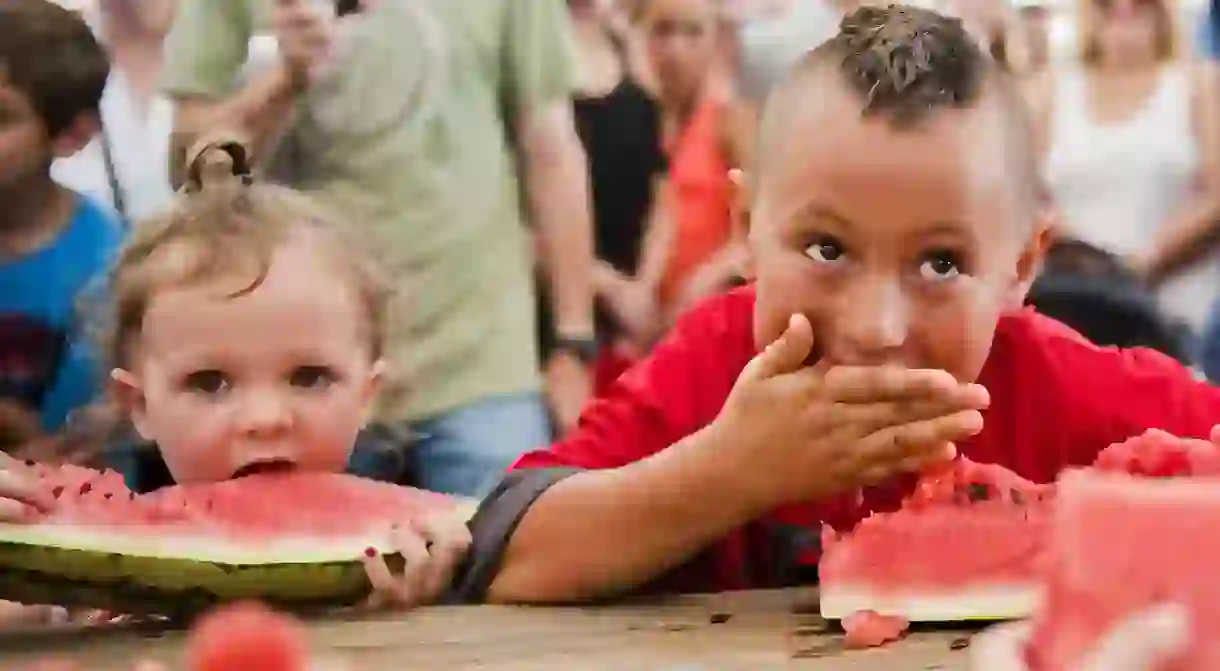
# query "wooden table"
(763, 630)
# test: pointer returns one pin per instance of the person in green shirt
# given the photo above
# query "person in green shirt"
(415, 118)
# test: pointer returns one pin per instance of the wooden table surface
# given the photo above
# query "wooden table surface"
(763, 630)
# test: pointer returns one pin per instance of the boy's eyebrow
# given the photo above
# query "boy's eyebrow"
(818, 212)
(821, 213)
(947, 228)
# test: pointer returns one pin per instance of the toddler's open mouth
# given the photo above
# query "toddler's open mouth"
(265, 466)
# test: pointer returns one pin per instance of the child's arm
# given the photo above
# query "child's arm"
(692, 444)
(673, 394)
(573, 543)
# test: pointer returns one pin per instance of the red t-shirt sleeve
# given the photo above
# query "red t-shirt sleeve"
(677, 390)
(1107, 395)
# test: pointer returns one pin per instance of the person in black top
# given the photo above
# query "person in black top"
(619, 124)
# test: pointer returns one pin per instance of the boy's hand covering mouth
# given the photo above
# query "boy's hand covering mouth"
(802, 433)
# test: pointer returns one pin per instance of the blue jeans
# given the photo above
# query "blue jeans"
(467, 450)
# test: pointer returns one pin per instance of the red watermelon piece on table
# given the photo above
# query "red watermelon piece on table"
(1120, 544)
(966, 545)
(294, 539)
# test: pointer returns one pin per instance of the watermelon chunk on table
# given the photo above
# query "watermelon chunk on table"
(293, 538)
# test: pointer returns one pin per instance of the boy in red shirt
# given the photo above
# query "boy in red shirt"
(895, 227)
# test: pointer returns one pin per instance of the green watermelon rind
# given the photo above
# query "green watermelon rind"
(174, 587)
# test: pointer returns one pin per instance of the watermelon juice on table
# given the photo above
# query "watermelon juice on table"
(292, 538)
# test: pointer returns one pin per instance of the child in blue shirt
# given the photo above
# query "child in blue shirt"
(54, 243)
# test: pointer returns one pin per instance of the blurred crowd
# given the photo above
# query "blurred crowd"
(552, 183)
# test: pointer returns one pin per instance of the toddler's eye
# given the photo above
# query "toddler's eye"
(206, 382)
(940, 266)
(825, 250)
(312, 377)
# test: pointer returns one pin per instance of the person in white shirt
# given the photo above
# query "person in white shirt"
(125, 167)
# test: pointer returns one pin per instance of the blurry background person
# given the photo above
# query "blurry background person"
(619, 122)
(125, 167)
(773, 34)
(706, 131)
(1129, 139)
(438, 125)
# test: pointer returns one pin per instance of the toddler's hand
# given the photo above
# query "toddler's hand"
(800, 433)
(432, 547)
(21, 495)
(1141, 642)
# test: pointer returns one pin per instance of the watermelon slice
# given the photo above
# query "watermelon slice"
(294, 539)
(1120, 544)
(965, 545)
(1158, 454)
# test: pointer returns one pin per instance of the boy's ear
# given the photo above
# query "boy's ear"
(372, 388)
(740, 201)
(128, 389)
(76, 136)
(1029, 264)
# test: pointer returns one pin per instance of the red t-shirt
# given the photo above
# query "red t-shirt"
(1056, 401)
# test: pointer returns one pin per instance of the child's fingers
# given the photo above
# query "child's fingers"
(869, 417)
(15, 484)
(450, 540)
(787, 354)
(899, 443)
(868, 384)
(386, 587)
(12, 510)
(416, 563)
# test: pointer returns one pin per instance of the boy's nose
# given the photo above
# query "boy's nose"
(872, 323)
(264, 413)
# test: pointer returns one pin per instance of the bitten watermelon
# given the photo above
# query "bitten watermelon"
(294, 539)
(1121, 543)
(966, 544)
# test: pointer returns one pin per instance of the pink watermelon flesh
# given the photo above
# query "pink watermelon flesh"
(293, 538)
(1121, 543)
(971, 541)
(964, 545)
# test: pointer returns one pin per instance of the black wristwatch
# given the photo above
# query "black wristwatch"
(585, 349)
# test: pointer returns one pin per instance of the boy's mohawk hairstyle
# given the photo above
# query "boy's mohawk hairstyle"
(906, 61)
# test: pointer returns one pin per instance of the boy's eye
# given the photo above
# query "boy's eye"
(206, 382)
(940, 266)
(312, 377)
(825, 250)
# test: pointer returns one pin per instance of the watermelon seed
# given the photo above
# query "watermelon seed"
(31, 463)
(978, 491)
(108, 495)
(59, 489)
(719, 618)
(86, 488)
